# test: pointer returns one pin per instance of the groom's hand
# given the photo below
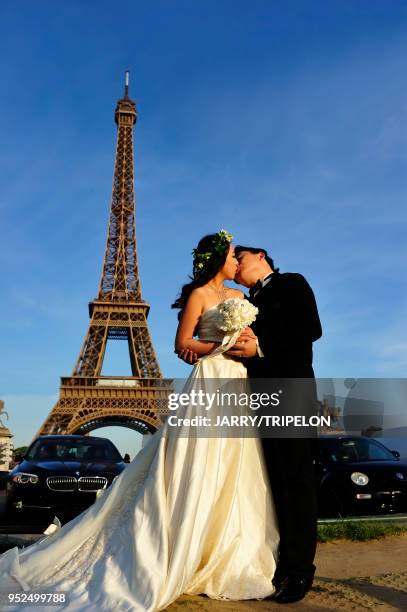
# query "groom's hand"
(247, 333)
(245, 345)
(187, 355)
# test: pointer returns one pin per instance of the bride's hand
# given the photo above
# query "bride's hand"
(187, 355)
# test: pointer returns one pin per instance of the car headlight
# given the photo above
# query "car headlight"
(24, 478)
(359, 478)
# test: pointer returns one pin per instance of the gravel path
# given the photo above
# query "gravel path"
(351, 576)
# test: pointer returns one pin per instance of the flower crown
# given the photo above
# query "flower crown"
(220, 246)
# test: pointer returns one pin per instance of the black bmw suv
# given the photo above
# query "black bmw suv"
(61, 475)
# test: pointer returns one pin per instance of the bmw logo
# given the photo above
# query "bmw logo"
(399, 475)
(77, 473)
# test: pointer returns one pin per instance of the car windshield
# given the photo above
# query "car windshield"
(356, 449)
(72, 450)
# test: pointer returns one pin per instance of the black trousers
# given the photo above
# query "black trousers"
(291, 470)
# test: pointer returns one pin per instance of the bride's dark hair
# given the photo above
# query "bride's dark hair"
(213, 259)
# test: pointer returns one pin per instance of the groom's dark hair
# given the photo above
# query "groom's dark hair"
(239, 248)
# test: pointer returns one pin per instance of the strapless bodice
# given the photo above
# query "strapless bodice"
(207, 325)
(208, 330)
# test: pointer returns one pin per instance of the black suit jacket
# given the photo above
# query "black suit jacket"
(286, 326)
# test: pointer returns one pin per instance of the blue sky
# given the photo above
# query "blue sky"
(283, 122)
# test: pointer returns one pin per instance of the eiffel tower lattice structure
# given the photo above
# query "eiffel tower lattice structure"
(88, 400)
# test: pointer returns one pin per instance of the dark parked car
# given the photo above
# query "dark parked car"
(61, 475)
(359, 476)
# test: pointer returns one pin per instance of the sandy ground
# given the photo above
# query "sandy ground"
(350, 576)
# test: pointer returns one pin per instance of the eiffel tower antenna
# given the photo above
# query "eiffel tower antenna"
(87, 399)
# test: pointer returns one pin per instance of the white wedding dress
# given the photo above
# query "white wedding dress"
(188, 515)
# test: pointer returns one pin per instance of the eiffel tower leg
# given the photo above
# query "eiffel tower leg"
(142, 354)
(90, 360)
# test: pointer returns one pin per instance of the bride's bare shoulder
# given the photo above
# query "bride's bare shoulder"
(236, 293)
(196, 299)
(198, 294)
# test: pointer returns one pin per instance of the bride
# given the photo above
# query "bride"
(191, 514)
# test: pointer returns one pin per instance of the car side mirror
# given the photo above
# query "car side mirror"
(396, 454)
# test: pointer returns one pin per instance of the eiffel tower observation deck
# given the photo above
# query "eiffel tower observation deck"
(88, 400)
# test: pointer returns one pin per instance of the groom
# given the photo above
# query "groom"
(286, 326)
(281, 348)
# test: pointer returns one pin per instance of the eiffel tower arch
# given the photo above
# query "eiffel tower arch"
(87, 400)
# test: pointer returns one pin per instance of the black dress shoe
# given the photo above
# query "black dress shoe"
(292, 589)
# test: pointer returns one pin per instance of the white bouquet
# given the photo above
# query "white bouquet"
(235, 314)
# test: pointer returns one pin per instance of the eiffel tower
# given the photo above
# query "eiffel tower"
(88, 400)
